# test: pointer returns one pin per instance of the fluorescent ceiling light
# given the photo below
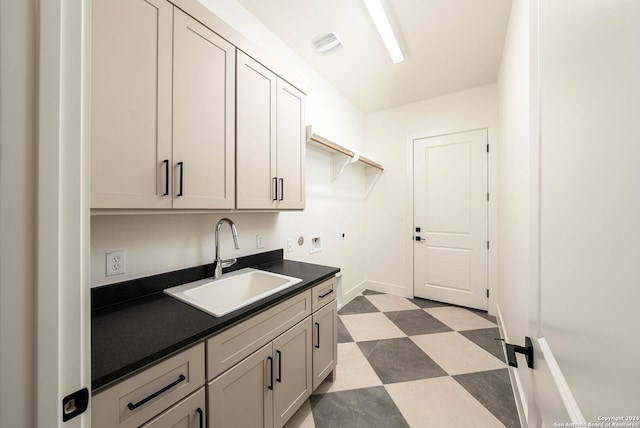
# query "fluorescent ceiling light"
(381, 20)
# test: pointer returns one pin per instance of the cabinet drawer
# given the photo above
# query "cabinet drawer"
(189, 413)
(232, 345)
(323, 293)
(141, 397)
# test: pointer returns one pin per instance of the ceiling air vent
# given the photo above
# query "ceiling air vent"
(327, 43)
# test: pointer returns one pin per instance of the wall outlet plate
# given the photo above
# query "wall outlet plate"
(115, 263)
(289, 245)
(259, 241)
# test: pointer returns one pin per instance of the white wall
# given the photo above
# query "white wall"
(389, 245)
(17, 212)
(513, 184)
(589, 206)
(590, 199)
(161, 243)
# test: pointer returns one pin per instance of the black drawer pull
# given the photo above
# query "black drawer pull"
(200, 417)
(318, 330)
(322, 296)
(275, 189)
(132, 406)
(279, 378)
(181, 165)
(270, 386)
(166, 177)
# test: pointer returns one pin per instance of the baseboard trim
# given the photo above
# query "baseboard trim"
(569, 401)
(393, 289)
(352, 293)
(516, 384)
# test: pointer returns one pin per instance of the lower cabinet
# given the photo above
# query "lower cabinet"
(259, 372)
(189, 413)
(268, 387)
(325, 343)
(154, 392)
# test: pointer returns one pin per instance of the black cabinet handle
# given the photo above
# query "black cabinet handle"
(281, 189)
(322, 296)
(270, 386)
(200, 417)
(318, 333)
(275, 189)
(279, 378)
(181, 165)
(166, 177)
(132, 406)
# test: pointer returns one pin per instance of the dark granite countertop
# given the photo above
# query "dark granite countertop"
(128, 335)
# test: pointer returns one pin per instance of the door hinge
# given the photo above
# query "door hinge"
(75, 404)
(487, 293)
(487, 148)
(487, 245)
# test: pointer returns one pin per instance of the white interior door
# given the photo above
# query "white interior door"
(450, 218)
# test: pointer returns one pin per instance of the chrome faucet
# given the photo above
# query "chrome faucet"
(229, 262)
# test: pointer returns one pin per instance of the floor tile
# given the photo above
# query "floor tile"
(493, 390)
(370, 292)
(485, 338)
(373, 326)
(388, 303)
(343, 333)
(369, 407)
(485, 315)
(440, 402)
(459, 318)
(359, 305)
(303, 418)
(399, 360)
(425, 303)
(352, 372)
(416, 322)
(456, 354)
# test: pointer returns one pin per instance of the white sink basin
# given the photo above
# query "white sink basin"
(231, 292)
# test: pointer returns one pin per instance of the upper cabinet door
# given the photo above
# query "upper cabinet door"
(291, 146)
(270, 139)
(256, 135)
(131, 103)
(203, 117)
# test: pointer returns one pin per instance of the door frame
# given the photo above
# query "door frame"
(63, 269)
(492, 260)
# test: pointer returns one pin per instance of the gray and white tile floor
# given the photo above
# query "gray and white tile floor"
(413, 363)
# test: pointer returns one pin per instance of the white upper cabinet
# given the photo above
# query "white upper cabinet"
(269, 139)
(131, 103)
(203, 116)
(163, 109)
(178, 122)
(255, 135)
(290, 131)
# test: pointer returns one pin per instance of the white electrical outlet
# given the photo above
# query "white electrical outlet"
(116, 263)
(259, 241)
(289, 245)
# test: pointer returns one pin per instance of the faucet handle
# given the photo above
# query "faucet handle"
(228, 262)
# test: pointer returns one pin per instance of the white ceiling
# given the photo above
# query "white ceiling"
(449, 45)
